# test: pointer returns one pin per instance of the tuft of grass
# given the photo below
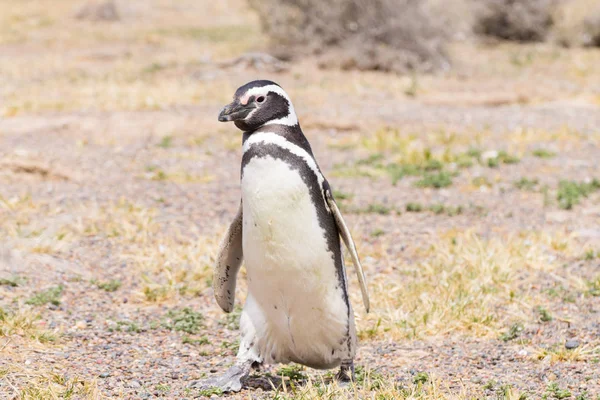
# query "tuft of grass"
(556, 392)
(570, 193)
(481, 181)
(369, 379)
(51, 296)
(197, 342)
(543, 153)
(377, 232)
(559, 353)
(421, 378)
(23, 323)
(437, 180)
(376, 208)
(544, 314)
(594, 287)
(526, 184)
(210, 392)
(513, 332)
(462, 283)
(293, 372)
(108, 286)
(13, 281)
(339, 195)
(184, 320)
(50, 385)
(502, 158)
(166, 142)
(125, 326)
(414, 207)
(590, 255)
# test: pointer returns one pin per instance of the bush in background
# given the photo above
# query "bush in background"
(520, 20)
(577, 23)
(386, 35)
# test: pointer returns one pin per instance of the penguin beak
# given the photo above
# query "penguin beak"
(235, 111)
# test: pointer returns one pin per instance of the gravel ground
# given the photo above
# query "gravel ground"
(114, 213)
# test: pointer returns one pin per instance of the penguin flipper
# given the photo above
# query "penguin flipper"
(229, 260)
(347, 238)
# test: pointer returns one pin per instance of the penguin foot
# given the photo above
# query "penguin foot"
(346, 373)
(231, 381)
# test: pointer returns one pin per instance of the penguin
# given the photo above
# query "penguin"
(287, 232)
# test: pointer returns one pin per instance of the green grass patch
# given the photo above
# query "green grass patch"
(553, 391)
(13, 281)
(51, 296)
(376, 208)
(339, 195)
(414, 207)
(570, 193)
(594, 287)
(125, 326)
(293, 372)
(108, 286)
(377, 232)
(502, 158)
(184, 320)
(543, 153)
(481, 181)
(544, 315)
(195, 341)
(437, 180)
(513, 332)
(526, 184)
(166, 142)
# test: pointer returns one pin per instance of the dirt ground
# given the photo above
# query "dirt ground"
(117, 181)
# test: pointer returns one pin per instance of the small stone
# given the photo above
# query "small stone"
(104, 375)
(572, 344)
(135, 384)
(81, 325)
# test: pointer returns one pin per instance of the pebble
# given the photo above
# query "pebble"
(135, 384)
(572, 344)
(104, 375)
(81, 325)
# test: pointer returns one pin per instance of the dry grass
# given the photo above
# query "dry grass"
(373, 385)
(130, 53)
(47, 384)
(24, 323)
(142, 241)
(559, 353)
(464, 283)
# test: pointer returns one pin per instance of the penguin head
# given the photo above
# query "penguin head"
(259, 103)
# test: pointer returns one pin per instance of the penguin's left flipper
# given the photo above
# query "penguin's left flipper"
(229, 260)
(347, 238)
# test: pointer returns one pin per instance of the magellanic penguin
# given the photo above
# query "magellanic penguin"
(287, 230)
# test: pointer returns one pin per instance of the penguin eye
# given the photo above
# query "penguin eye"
(260, 99)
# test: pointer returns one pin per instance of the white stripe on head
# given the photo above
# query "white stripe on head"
(278, 140)
(290, 120)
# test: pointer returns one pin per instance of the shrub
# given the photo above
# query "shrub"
(577, 23)
(387, 35)
(520, 20)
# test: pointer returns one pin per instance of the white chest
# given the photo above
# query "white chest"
(291, 271)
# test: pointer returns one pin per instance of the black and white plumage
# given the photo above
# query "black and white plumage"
(287, 231)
